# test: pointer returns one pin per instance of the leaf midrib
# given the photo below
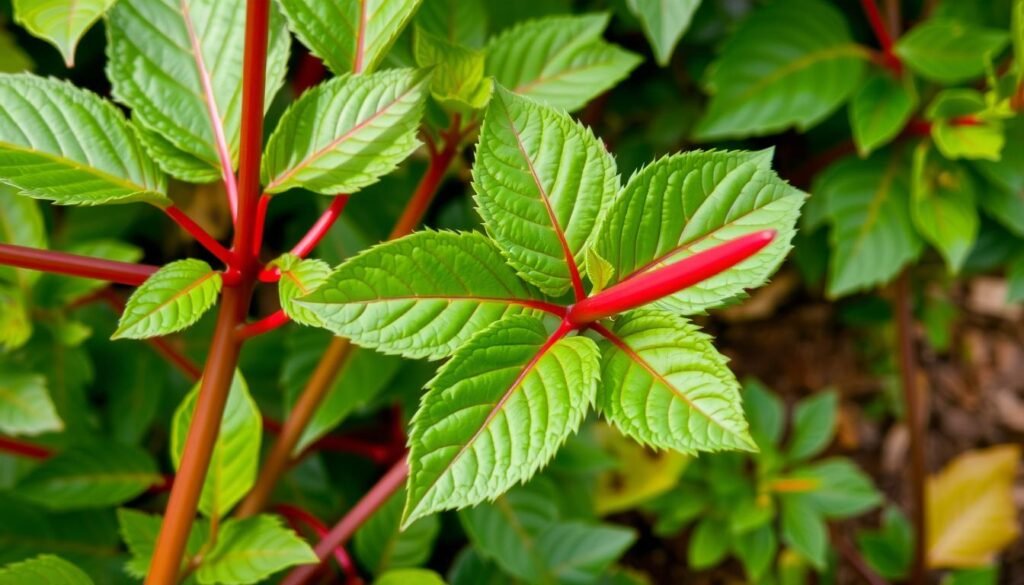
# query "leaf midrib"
(81, 167)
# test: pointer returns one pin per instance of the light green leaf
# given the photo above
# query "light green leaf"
(178, 65)
(791, 63)
(960, 127)
(236, 455)
(460, 22)
(177, 163)
(872, 238)
(664, 23)
(13, 58)
(44, 570)
(709, 543)
(69, 146)
(381, 546)
(804, 529)
(298, 279)
(879, 110)
(249, 550)
(599, 270)
(25, 406)
(173, 298)
(496, 413)
(140, 531)
(943, 207)
(686, 203)
(949, 51)
(92, 475)
(15, 321)
(21, 224)
(542, 182)
(665, 385)
(345, 134)
(756, 550)
(410, 577)
(560, 60)
(458, 79)
(842, 489)
(814, 425)
(350, 36)
(421, 296)
(60, 22)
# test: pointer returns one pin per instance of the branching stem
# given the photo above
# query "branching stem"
(75, 265)
(201, 235)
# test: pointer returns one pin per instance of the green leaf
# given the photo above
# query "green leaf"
(1005, 202)
(44, 570)
(60, 22)
(842, 489)
(460, 22)
(879, 110)
(872, 238)
(814, 425)
(69, 146)
(960, 127)
(410, 577)
(664, 23)
(92, 475)
(665, 385)
(140, 531)
(25, 406)
(21, 224)
(560, 60)
(541, 182)
(803, 528)
(298, 279)
(943, 207)
(599, 270)
(709, 543)
(756, 550)
(765, 412)
(236, 455)
(576, 551)
(177, 65)
(791, 63)
(1015, 276)
(458, 79)
(496, 413)
(889, 550)
(979, 576)
(686, 203)
(345, 134)
(421, 296)
(172, 299)
(381, 546)
(471, 568)
(948, 51)
(351, 37)
(15, 321)
(249, 550)
(13, 58)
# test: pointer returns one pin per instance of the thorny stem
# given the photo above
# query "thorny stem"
(75, 265)
(913, 404)
(201, 235)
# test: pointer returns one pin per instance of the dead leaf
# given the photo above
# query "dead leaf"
(971, 512)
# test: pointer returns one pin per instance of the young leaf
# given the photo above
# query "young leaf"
(541, 183)
(345, 134)
(298, 279)
(709, 543)
(249, 550)
(60, 22)
(177, 65)
(15, 321)
(25, 406)
(458, 78)
(236, 455)
(66, 145)
(173, 298)
(44, 570)
(687, 203)
(351, 37)
(561, 60)
(421, 296)
(410, 577)
(814, 425)
(943, 207)
(977, 137)
(791, 63)
(971, 511)
(949, 51)
(93, 475)
(496, 413)
(879, 110)
(460, 22)
(599, 270)
(140, 531)
(664, 23)
(665, 385)
(381, 546)
(21, 224)
(803, 528)
(867, 203)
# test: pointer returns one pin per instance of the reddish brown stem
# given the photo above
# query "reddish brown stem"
(882, 34)
(269, 323)
(913, 405)
(75, 265)
(321, 227)
(17, 447)
(201, 235)
(853, 558)
(344, 529)
(297, 516)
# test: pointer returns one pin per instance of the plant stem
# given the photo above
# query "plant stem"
(882, 34)
(75, 265)
(297, 516)
(417, 205)
(647, 287)
(321, 227)
(201, 235)
(855, 560)
(913, 404)
(355, 518)
(16, 447)
(264, 325)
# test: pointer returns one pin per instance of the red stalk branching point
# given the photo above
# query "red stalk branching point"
(201, 235)
(313, 237)
(75, 265)
(878, 25)
(265, 325)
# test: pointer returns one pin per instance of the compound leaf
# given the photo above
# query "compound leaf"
(249, 550)
(173, 298)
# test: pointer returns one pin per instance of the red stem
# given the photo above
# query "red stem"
(647, 287)
(75, 265)
(297, 516)
(344, 529)
(882, 33)
(201, 235)
(264, 325)
(417, 205)
(321, 227)
(261, 222)
(24, 449)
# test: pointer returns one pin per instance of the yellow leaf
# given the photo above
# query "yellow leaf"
(639, 475)
(971, 514)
